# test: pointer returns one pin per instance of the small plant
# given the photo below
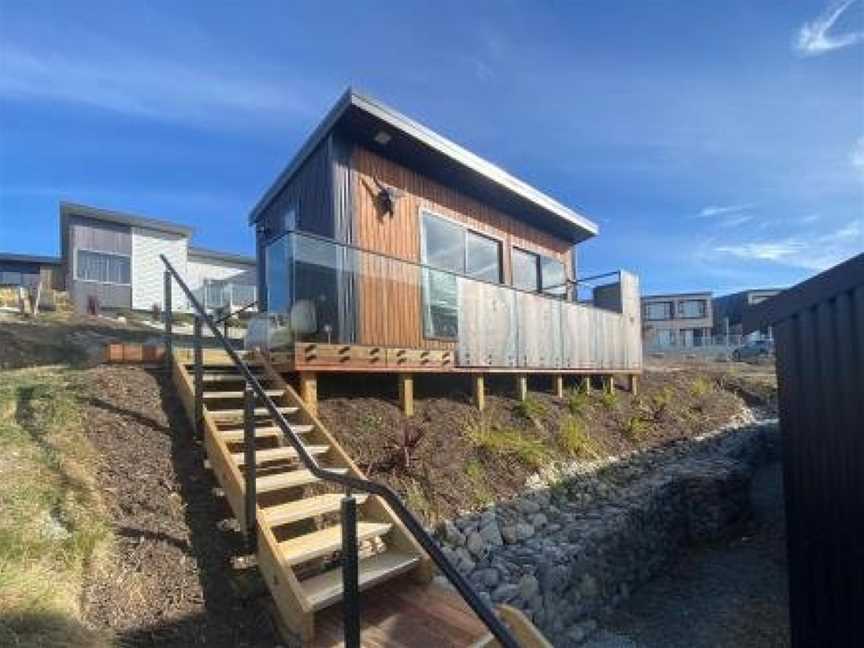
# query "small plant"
(530, 408)
(659, 403)
(507, 442)
(417, 501)
(577, 399)
(400, 452)
(701, 387)
(635, 428)
(477, 476)
(574, 439)
(609, 399)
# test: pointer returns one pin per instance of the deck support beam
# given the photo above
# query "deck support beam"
(479, 391)
(406, 393)
(558, 385)
(634, 384)
(585, 385)
(522, 386)
(309, 390)
(609, 383)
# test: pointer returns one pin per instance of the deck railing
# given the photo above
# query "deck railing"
(347, 481)
(341, 294)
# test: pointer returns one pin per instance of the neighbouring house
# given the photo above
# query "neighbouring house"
(28, 270)
(677, 320)
(384, 235)
(730, 311)
(113, 258)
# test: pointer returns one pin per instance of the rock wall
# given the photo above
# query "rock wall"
(564, 553)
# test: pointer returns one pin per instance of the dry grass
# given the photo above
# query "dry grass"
(506, 442)
(52, 529)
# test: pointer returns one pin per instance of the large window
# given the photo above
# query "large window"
(658, 311)
(526, 270)
(277, 262)
(553, 277)
(103, 267)
(458, 251)
(692, 308)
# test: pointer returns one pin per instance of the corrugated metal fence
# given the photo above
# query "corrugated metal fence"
(819, 336)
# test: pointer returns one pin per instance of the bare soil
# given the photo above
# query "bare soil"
(170, 581)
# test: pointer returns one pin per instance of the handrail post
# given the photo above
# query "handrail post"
(166, 313)
(251, 468)
(199, 378)
(350, 585)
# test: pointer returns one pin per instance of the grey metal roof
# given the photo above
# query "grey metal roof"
(706, 293)
(30, 258)
(447, 150)
(73, 209)
(221, 256)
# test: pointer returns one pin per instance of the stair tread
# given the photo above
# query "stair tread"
(236, 434)
(326, 541)
(325, 589)
(240, 394)
(259, 411)
(290, 479)
(275, 454)
(305, 508)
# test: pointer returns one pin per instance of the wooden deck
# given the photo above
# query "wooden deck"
(402, 614)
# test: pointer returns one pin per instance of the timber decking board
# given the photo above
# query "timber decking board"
(326, 541)
(403, 614)
(236, 435)
(305, 508)
(289, 479)
(278, 454)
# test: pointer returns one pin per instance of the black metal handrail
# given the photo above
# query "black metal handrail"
(349, 482)
(231, 314)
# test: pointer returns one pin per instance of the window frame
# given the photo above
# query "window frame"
(120, 255)
(670, 306)
(679, 310)
(514, 249)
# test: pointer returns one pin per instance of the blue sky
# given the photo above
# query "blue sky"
(718, 145)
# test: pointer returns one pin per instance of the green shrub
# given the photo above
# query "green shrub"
(507, 442)
(573, 438)
(577, 400)
(530, 408)
(635, 428)
(609, 399)
(701, 387)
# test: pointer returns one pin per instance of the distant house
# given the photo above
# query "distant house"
(677, 320)
(730, 310)
(29, 270)
(113, 258)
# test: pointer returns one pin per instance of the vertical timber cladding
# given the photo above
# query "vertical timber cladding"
(393, 316)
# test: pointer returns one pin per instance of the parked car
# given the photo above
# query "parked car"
(754, 349)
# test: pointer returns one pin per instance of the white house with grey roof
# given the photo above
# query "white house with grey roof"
(113, 258)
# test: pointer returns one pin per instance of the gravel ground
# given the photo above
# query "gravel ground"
(723, 595)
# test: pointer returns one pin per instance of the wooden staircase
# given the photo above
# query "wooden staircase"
(297, 518)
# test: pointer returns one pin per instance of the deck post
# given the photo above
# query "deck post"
(406, 393)
(522, 386)
(309, 390)
(168, 317)
(609, 383)
(634, 384)
(559, 385)
(586, 384)
(479, 390)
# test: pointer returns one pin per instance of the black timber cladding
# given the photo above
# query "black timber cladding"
(819, 336)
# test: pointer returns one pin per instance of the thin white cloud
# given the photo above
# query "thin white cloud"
(736, 220)
(856, 157)
(158, 89)
(724, 210)
(814, 37)
(816, 253)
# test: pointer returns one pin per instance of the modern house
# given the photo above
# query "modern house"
(113, 258)
(29, 270)
(730, 311)
(403, 250)
(677, 320)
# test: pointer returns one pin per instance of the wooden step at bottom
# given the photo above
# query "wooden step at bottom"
(229, 414)
(326, 541)
(325, 589)
(278, 454)
(289, 479)
(305, 508)
(215, 395)
(230, 377)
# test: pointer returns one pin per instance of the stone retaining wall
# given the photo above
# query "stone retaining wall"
(564, 554)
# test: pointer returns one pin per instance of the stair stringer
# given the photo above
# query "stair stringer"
(287, 593)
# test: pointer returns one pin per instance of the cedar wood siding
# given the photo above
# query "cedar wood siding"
(398, 320)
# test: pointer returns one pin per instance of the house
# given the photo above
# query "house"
(730, 311)
(113, 258)
(819, 337)
(29, 270)
(680, 319)
(402, 249)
